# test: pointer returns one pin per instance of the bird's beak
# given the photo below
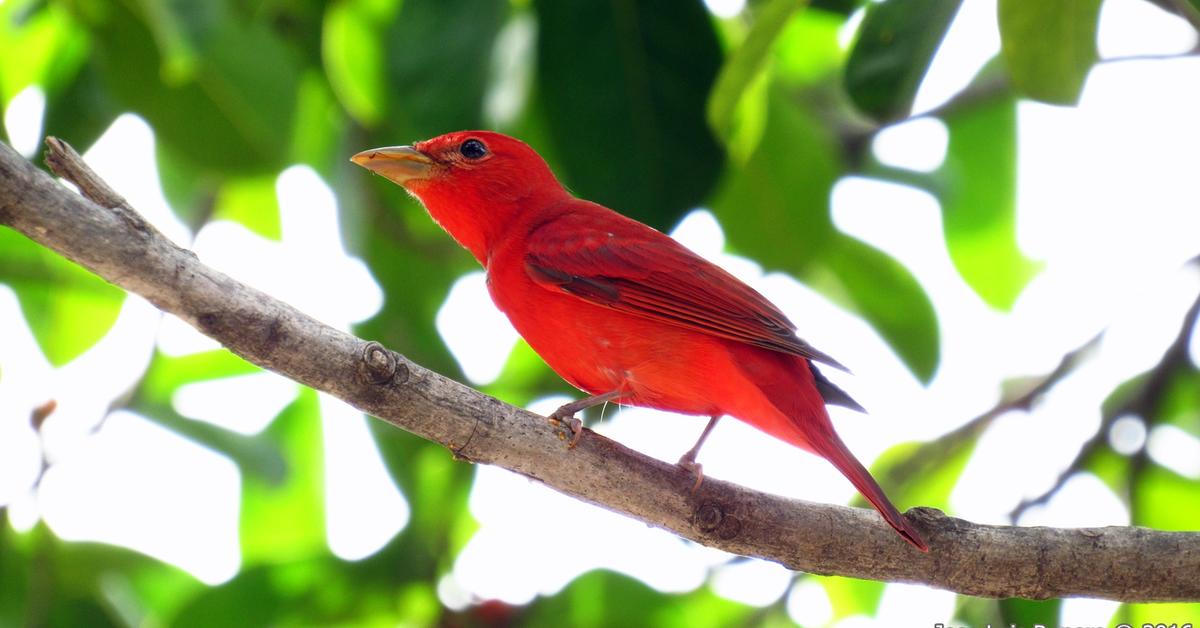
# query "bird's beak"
(398, 163)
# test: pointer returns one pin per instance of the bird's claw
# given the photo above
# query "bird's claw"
(689, 464)
(572, 423)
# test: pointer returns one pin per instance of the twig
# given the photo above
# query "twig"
(935, 453)
(37, 418)
(41, 413)
(1123, 563)
(856, 133)
(1144, 402)
(66, 163)
(1187, 11)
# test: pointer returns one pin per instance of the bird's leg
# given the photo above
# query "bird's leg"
(566, 413)
(688, 460)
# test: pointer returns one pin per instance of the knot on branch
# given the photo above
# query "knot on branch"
(379, 366)
(711, 518)
(928, 519)
(925, 514)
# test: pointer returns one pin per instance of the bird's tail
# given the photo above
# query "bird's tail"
(834, 450)
(797, 393)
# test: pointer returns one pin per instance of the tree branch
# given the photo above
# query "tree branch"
(1000, 561)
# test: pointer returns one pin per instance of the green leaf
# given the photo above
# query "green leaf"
(887, 295)
(588, 602)
(1175, 615)
(1180, 403)
(1020, 612)
(253, 77)
(437, 486)
(976, 611)
(525, 376)
(1111, 468)
(438, 55)
(80, 610)
(416, 605)
(81, 110)
(977, 190)
(929, 484)
(284, 522)
(252, 202)
(895, 46)
(226, 107)
(252, 598)
(70, 583)
(1049, 47)
(842, 7)
(51, 46)
(1123, 393)
(67, 308)
(318, 136)
(807, 51)
(14, 573)
(803, 54)
(256, 456)
(775, 208)
(352, 47)
(623, 86)
(746, 63)
(850, 596)
(1158, 498)
(166, 373)
(160, 590)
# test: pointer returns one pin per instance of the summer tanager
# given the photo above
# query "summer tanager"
(620, 310)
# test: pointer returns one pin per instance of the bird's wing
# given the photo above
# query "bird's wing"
(615, 262)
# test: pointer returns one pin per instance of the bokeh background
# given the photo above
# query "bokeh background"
(988, 212)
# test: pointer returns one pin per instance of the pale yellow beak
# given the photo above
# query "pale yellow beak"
(397, 163)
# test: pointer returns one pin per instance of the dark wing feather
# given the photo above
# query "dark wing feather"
(831, 393)
(615, 262)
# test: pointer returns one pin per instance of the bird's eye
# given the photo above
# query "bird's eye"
(473, 149)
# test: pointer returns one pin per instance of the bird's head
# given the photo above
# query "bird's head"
(474, 183)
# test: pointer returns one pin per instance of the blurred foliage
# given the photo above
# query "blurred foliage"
(650, 65)
(1049, 47)
(894, 48)
(67, 307)
(977, 185)
(652, 107)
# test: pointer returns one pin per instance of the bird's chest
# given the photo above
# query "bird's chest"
(581, 341)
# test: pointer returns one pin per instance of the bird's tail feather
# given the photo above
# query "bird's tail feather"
(835, 451)
(797, 392)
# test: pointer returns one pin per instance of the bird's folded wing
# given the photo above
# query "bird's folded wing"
(632, 268)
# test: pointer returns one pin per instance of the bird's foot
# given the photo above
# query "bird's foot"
(688, 460)
(566, 416)
(566, 413)
(688, 463)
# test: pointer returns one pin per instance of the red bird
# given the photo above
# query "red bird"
(620, 310)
